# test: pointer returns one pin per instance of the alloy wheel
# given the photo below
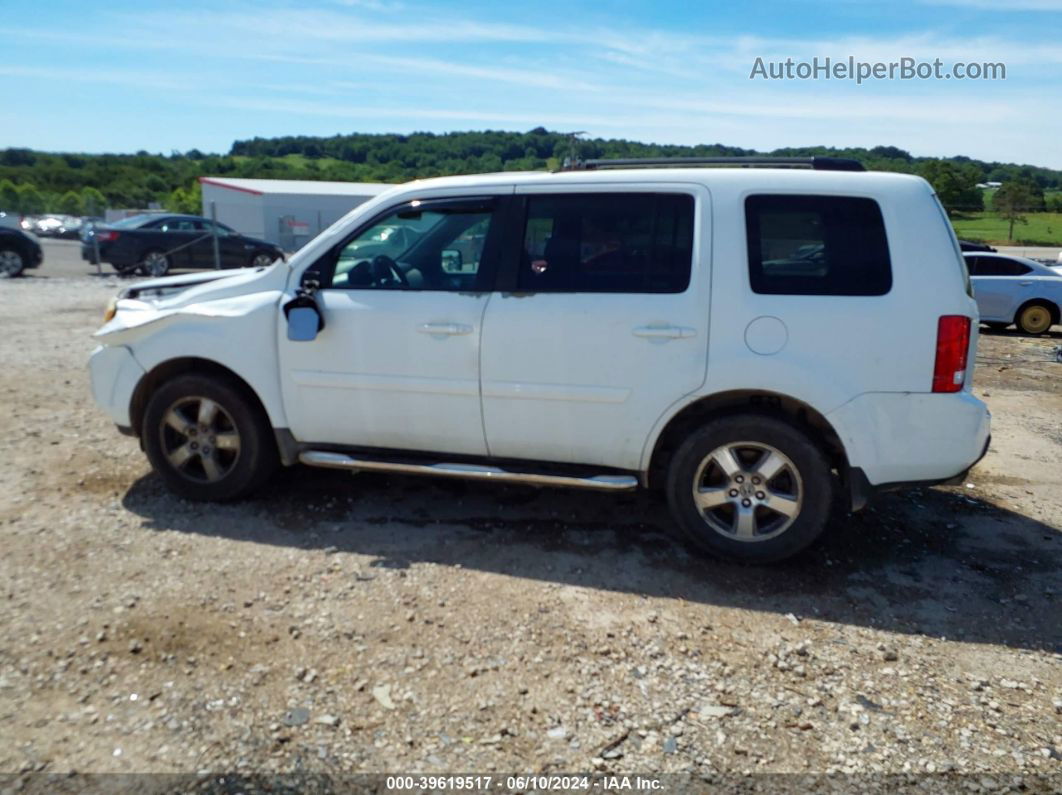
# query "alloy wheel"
(10, 264)
(748, 491)
(199, 439)
(155, 264)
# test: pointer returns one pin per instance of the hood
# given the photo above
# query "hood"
(169, 286)
(214, 294)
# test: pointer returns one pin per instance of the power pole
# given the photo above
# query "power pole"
(573, 138)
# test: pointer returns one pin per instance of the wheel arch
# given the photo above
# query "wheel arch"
(743, 401)
(170, 369)
(1052, 307)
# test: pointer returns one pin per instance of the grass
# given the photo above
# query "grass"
(1042, 229)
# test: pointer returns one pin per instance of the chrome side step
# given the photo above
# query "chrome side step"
(319, 458)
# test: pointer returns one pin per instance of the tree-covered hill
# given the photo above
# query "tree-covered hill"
(32, 181)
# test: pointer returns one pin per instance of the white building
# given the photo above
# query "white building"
(288, 212)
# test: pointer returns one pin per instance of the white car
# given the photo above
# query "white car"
(1015, 290)
(749, 340)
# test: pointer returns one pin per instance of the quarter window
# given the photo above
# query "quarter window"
(620, 242)
(817, 245)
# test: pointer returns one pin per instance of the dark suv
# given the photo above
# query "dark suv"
(155, 244)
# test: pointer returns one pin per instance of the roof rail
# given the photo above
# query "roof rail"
(816, 163)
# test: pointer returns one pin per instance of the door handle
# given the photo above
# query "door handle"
(451, 329)
(1025, 284)
(664, 332)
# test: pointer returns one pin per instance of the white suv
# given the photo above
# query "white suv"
(754, 341)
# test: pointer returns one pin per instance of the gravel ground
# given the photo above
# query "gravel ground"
(383, 624)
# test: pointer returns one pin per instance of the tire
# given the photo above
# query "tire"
(996, 326)
(154, 263)
(194, 462)
(261, 259)
(736, 522)
(1035, 317)
(11, 263)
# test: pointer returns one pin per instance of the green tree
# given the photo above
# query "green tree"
(185, 200)
(954, 184)
(1014, 199)
(10, 200)
(70, 204)
(92, 201)
(30, 200)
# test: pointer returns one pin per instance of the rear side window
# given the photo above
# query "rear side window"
(998, 266)
(817, 245)
(613, 243)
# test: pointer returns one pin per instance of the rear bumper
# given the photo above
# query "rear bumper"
(905, 438)
(861, 491)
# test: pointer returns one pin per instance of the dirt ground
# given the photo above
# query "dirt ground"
(343, 624)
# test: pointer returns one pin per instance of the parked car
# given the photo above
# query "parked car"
(750, 341)
(18, 250)
(1015, 290)
(156, 243)
(55, 225)
(967, 245)
(10, 220)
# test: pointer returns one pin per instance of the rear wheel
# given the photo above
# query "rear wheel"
(1034, 318)
(750, 488)
(207, 439)
(155, 263)
(11, 263)
(261, 259)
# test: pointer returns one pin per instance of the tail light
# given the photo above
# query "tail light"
(953, 342)
(106, 235)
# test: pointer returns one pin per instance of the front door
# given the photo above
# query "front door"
(606, 326)
(397, 364)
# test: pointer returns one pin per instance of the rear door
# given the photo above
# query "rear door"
(999, 287)
(176, 237)
(601, 323)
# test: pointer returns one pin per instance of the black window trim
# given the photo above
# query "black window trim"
(798, 194)
(324, 266)
(516, 224)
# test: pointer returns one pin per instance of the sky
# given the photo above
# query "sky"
(126, 76)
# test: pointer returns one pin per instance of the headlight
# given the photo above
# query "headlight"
(111, 310)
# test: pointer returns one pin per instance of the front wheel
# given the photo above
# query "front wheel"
(11, 263)
(751, 488)
(207, 439)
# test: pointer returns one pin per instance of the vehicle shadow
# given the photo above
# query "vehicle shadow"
(937, 562)
(1053, 333)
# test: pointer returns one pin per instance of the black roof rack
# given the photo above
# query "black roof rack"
(816, 163)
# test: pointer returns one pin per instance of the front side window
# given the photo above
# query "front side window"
(817, 245)
(435, 246)
(620, 242)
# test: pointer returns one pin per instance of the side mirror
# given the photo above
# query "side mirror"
(452, 261)
(304, 318)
